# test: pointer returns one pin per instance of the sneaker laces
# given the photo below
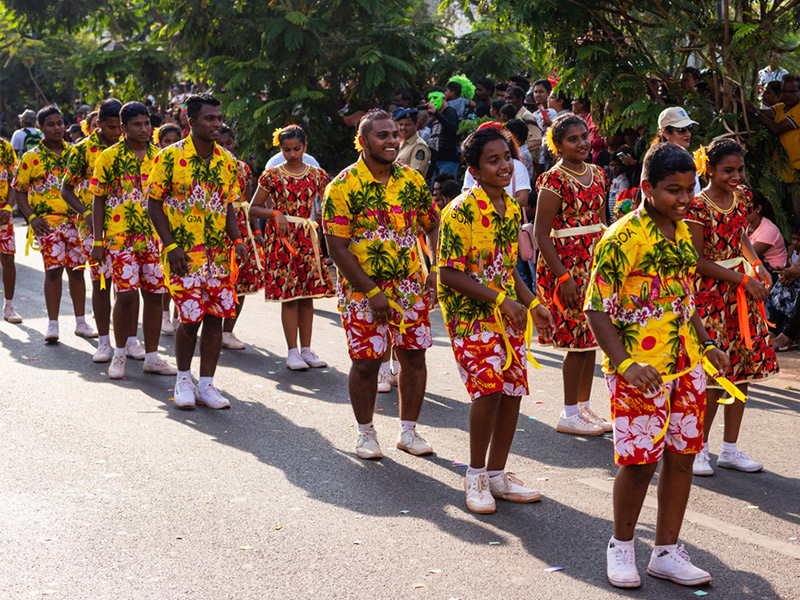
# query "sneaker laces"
(480, 484)
(623, 555)
(119, 360)
(158, 363)
(182, 383)
(680, 553)
(367, 436)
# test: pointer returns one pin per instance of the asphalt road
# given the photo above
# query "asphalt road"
(108, 492)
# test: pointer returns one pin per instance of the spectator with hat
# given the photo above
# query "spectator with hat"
(27, 136)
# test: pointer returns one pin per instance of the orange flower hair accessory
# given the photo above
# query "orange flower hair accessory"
(276, 136)
(700, 160)
(85, 127)
(357, 144)
(549, 143)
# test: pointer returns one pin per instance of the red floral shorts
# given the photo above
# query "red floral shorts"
(207, 290)
(62, 246)
(481, 358)
(640, 418)
(7, 243)
(95, 269)
(134, 270)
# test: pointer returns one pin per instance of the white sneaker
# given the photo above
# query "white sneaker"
(507, 486)
(676, 566)
(134, 350)
(85, 330)
(104, 353)
(410, 441)
(295, 362)
(479, 498)
(597, 420)
(621, 566)
(231, 341)
(578, 425)
(394, 379)
(312, 360)
(741, 461)
(160, 367)
(209, 396)
(167, 328)
(367, 445)
(52, 333)
(384, 385)
(11, 315)
(702, 464)
(185, 393)
(116, 370)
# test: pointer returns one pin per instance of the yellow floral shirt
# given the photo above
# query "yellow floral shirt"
(645, 283)
(81, 166)
(474, 239)
(8, 162)
(196, 198)
(121, 177)
(39, 173)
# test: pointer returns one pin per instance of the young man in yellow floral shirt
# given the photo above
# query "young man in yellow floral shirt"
(124, 237)
(371, 214)
(75, 191)
(37, 192)
(190, 193)
(8, 162)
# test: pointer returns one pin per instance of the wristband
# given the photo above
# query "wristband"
(7, 207)
(238, 241)
(745, 279)
(500, 297)
(98, 244)
(623, 366)
(564, 277)
(373, 292)
(170, 248)
(257, 232)
(275, 212)
(534, 304)
(434, 269)
(758, 262)
(88, 212)
(708, 345)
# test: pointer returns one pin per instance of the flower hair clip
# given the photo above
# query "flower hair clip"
(276, 136)
(700, 160)
(549, 143)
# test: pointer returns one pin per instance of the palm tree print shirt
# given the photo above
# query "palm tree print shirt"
(81, 166)
(474, 239)
(121, 177)
(196, 198)
(39, 174)
(8, 162)
(381, 221)
(645, 283)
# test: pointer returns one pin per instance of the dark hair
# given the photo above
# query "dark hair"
(454, 87)
(516, 91)
(562, 124)
(194, 104)
(75, 128)
(565, 100)
(665, 159)
(585, 101)
(775, 86)
(518, 129)
(168, 128)
(509, 110)
(436, 88)
(614, 159)
(501, 87)
(404, 94)
(109, 109)
(365, 124)
(295, 132)
(760, 201)
(42, 115)
(521, 82)
(498, 104)
(225, 130)
(486, 83)
(130, 110)
(472, 147)
(693, 71)
(545, 84)
(155, 120)
(444, 176)
(722, 147)
(449, 189)
(789, 78)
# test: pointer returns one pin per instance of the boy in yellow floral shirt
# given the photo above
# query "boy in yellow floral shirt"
(371, 213)
(124, 237)
(8, 162)
(641, 308)
(190, 193)
(75, 191)
(37, 192)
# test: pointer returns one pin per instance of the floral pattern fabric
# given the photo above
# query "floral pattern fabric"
(62, 246)
(39, 173)
(251, 277)
(81, 164)
(481, 358)
(580, 206)
(716, 300)
(8, 162)
(645, 283)
(137, 269)
(292, 275)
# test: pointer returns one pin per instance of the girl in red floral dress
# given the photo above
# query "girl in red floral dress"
(732, 285)
(297, 272)
(251, 268)
(570, 218)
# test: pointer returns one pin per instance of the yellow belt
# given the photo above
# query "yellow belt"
(246, 207)
(575, 231)
(311, 228)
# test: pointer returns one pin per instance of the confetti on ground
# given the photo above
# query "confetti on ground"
(547, 467)
(380, 410)
(610, 478)
(494, 543)
(542, 479)
(278, 527)
(211, 437)
(792, 539)
(404, 512)
(357, 542)
(520, 430)
(553, 569)
(171, 389)
(531, 418)
(245, 547)
(700, 593)
(417, 586)
(459, 464)
(434, 571)
(32, 358)
(752, 506)
(539, 402)
(359, 517)
(70, 371)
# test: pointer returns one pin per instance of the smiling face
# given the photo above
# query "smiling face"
(406, 127)
(495, 167)
(540, 95)
(790, 94)
(670, 198)
(168, 139)
(382, 141)
(681, 136)
(728, 173)
(575, 145)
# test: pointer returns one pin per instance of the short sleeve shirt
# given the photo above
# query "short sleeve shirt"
(644, 282)
(790, 140)
(39, 173)
(8, 162)
(381, 221)
(768, 233)
(81, 166)
(121, 178)
(476, 240)
(195, 196)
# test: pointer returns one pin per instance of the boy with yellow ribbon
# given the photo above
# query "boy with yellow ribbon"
(489, 314)
(640, 306)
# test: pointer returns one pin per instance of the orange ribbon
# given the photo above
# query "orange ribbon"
(289, 247)
(744, 313)
(234, 272)
(557, 300)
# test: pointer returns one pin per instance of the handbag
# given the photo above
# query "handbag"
(527, 243)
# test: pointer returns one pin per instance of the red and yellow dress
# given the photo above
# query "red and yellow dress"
(295, 269)
(252, 266)
(576, 230)
(716, 299)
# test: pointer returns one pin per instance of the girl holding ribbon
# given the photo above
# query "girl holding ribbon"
(570, 218)
(286, 197)
(731, 287)
(489, 314)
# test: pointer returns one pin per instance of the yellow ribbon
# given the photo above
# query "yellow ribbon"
(311, 228)
(402, 325)
(29, 242)
(165, 267)
(529, 336)
(93, 263)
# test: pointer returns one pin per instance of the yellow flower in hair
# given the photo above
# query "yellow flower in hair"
(154, 134)
(700, 160)
(85, 127)
(357, 144)
(549, 143)
(276, 136)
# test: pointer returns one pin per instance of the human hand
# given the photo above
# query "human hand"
(719, 359)
(98, 254)
(430, 286)
(379, 305)
(756, 289)
(569, 294)
(5, 217)
(178, 261)
(241, 251)
(545, 326)
(764, 275)
(259, 239)
(516, 312)
(789, 274)
(40, 226)
(281, 225)
(643, 376)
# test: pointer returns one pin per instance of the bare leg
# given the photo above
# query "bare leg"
(210, 345)
(151, 320)
(505, 427)
(482, 418)
(228, 324)
(289, 317)
(630, 489)
(411, 384)
(587, 376)
(572, 375)
(363, 386)
(52, 292)
(77, 290)
(305, 319)
(674, 485)
(9, 275)
(733, 418)
(124, 312)
(712, 395)
(185, 342)
(101, 306)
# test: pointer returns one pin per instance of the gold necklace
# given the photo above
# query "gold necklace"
(585, 168)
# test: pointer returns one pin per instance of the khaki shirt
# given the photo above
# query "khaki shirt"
(534, 141)
(415, 153)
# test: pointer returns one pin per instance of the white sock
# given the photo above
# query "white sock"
(186, 374)
(385, 367)
(53, 324)
(294, 352)
(119, 352)
(729, 447)
(306, 349)
(150, 357)
(165, 314)
(205, 382)
(104, 339)
(668, 547)
(9, 303)
(571, 410)
(583, 405)
(395, 367)
(473, 471)
(705, 447)
(621, 544)
(495, 473)
(131, 340)
(406, 425)
(365, 427)
(80, 320)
